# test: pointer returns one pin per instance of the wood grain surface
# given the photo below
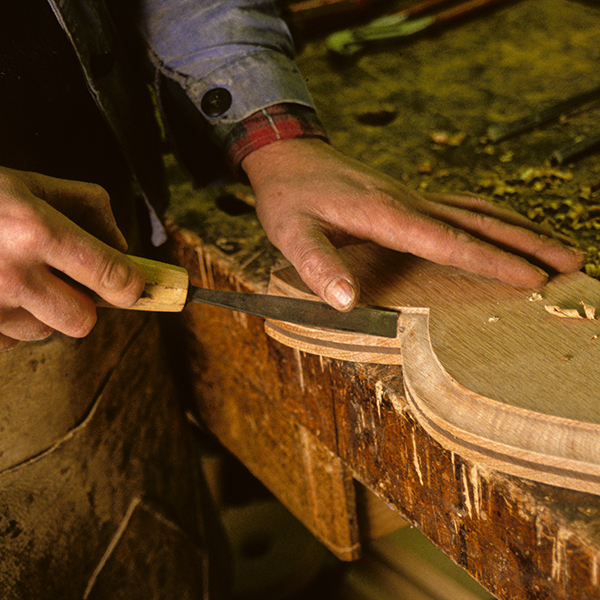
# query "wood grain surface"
(490, 372)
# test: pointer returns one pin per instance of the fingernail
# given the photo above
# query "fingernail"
(577, 252)
(340, 293)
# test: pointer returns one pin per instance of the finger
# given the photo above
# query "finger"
(538, 247)
(457, 248)
(481, 205)
(58, 305)
(442, 243)
(321, 266)
(508, 214)
(20, 325)
(113, 276)
(87, 204)
(92, 263)
(451, 236)
(7, 343)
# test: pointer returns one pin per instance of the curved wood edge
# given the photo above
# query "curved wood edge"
(352, 347)
(340, 345)
(510, 439)
(513, 440)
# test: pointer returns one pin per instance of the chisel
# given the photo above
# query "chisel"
(168, 290)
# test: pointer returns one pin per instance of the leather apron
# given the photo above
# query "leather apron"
(99, 488)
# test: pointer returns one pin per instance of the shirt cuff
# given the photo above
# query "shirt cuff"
(271, 124)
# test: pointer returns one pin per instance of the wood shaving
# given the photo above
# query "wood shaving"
(443, 138)
(569, 313)
(572, 313)
(426, 167)
(590, 311)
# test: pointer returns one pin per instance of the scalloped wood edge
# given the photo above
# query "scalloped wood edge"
(445, 409)
(518, 441)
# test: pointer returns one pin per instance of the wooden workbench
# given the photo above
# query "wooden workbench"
(330, 437)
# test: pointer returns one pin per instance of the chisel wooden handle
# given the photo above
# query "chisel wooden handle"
(166, 287)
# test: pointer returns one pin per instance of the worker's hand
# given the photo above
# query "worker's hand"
(311, 199)
(42, 252)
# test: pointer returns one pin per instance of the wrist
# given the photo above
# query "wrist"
(270, 126)
(281, 156)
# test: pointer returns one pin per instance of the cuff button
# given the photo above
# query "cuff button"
(216, 102)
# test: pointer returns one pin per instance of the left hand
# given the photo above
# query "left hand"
(310, 199)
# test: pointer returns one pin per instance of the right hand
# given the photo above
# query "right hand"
(38, 242)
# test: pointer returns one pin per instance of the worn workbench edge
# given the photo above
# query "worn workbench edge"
(545, 538)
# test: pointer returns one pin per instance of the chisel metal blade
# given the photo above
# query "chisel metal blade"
(371, 321)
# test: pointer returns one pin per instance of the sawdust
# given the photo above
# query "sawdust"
(439, 94)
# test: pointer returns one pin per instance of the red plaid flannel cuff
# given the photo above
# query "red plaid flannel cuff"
(278, 122)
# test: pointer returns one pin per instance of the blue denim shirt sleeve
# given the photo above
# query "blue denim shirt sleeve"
(240, 46)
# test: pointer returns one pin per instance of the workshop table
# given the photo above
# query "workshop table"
(336, 441)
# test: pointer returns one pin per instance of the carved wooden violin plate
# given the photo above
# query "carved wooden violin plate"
(504, 376)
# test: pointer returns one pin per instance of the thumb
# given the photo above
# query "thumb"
(324, 270)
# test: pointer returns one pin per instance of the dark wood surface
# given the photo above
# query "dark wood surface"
(311, 427)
